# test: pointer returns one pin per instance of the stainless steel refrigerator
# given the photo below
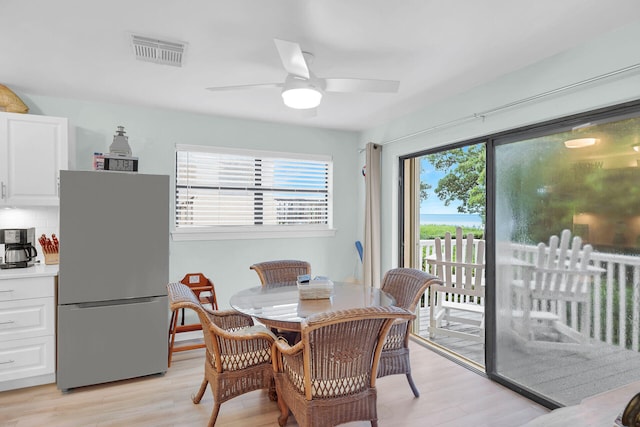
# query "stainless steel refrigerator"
(113, 273)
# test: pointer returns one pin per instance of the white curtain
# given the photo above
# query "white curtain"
(371, 260)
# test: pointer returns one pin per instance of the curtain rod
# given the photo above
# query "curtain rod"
(485, 113)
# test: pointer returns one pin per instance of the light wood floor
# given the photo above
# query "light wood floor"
(451, 396)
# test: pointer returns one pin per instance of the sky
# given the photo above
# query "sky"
(433, 205)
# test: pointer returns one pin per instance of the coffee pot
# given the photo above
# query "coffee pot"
(19, 251)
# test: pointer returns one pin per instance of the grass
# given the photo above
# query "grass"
(431, 231)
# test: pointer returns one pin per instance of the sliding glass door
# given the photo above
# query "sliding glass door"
(561, 313)
(443, 190)
(567, 264)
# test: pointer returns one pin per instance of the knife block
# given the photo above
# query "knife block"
(51, 259)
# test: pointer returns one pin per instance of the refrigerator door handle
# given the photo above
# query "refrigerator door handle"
(143, 300)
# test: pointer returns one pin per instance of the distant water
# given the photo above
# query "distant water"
(466, 220)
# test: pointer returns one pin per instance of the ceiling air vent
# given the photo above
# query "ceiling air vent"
(158, 51)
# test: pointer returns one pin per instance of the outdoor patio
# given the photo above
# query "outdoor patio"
(574, 374)
(608, 360)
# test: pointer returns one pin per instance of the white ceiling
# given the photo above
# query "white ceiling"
(436, 48)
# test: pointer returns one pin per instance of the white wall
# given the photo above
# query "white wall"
(608, 53)
(153, 134)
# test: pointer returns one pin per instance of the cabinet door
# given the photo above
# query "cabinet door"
(26, 318)
(34, 149)
(27, 358)
(27, 288)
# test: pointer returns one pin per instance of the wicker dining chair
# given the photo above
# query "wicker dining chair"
(329, 376)
(281, 271)
(238, 353)
(407, 286)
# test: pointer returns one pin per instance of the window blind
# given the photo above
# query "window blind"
(240, 188)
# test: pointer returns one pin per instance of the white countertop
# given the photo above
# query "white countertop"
(33, 271)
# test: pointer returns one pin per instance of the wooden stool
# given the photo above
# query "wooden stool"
(198, 283)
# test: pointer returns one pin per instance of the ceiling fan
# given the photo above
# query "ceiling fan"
(302, 89)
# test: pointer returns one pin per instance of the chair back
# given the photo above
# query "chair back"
(281, 271)
(459, 261)
(562, 268)
(200, 284)
(559, 286)
(407, 285)
(338, 359)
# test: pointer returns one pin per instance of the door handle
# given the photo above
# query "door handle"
(8, 322)
(7, 362)
(3, 194)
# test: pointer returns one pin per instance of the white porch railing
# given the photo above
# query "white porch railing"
(616, 297)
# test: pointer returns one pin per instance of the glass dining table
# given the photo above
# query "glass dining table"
(279, 306)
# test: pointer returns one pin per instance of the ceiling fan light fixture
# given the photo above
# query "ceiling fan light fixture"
(301, 98)
(301, 93)
(580, 142)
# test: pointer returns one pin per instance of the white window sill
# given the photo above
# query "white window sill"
(237, 233)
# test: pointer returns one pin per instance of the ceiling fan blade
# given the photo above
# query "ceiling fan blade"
(292, 58)
(242, 87)
(361, 85)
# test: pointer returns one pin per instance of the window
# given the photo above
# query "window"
(232, 193)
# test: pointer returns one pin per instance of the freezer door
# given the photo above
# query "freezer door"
(103, 343)
(114, 236)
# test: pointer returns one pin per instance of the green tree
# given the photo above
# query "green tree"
(464, 180)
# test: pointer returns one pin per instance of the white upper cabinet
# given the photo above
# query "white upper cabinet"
(33, 149)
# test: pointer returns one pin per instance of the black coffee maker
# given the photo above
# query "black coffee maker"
(19, 251)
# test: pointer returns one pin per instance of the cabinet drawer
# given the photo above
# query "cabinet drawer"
(26, 318)
(29, 287)
(27, 358)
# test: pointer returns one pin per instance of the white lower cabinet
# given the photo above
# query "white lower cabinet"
(27, 332)
(26, 358)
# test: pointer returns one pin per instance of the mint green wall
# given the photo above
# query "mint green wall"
(153, 134)
(608, 53)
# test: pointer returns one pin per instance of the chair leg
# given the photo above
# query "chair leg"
(414, 389)
(214, 414)
(374, 423)
(203, 388)
(284, 413)
(273, 394)
(433, 325)
(172, 335)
